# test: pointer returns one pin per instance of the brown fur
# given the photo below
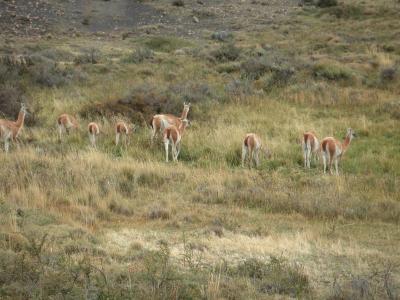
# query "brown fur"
(121, 127)
(93, 128)
(157, 120)
(10, 130)
(67, 121)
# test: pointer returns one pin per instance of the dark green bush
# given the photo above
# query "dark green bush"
(226, 53)
(276, 276)
(139, 55)
(332, 72)
(327, 3)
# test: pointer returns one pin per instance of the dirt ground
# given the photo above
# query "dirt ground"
(44, 17)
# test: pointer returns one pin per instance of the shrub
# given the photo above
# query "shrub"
(158, 213)
(254, 68)
(332, 72)
(388, 74)
(274, 277)
(280, 77)
(392, 108)
(346, 11)
(192, 91)
(89, 56)
(327, 3)
(238, 87)
(222, 36)
(165, 44)
(178, 3)
(139, 55)
(230, 67)
(10, 101)
(51, 75)
(226, 53)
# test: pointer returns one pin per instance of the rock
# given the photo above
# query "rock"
(195, 19)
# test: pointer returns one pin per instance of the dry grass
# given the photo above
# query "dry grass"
(120, 223)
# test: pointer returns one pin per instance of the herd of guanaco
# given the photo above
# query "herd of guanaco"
(172, 129)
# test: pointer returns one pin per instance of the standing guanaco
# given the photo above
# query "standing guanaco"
(94, 130)
(251, 147)
(65, 123)
(333, 150)
(173, 135)
(311, 147)
(157, 121)
(10, 130)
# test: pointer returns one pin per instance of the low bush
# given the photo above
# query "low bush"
(280, 77)
(276, 276)
(89, 56)
(256, 67)
(139, 55)
(226, 53)
(165, 44)
(346, 11)
(10, 101)
(332, 72)
(239, 88)
(327, 3)
(222, 36)
(178, 3)
(388, 75)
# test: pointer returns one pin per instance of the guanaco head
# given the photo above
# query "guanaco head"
(186, 107)
(351, 133)
(23, 109)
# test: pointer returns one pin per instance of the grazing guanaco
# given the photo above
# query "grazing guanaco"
(332, 150)
(173, 135)
(10, 130)
(157, 121)
(121, 128)
(251, 147)
(66, 123)
(94, 130)
(311, 147)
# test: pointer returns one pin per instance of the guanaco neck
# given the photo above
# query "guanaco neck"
(21, 118)
(182, 128)
(346, 142)
(184, 113)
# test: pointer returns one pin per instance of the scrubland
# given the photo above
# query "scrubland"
(118, 223)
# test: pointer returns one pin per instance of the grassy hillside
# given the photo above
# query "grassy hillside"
(118, 223)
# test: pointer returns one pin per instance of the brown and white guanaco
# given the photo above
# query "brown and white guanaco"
(251, 147)
(173, 135)
(333, 150)
(157, 121)
(94, 130)
(10, 130)
(123, 129)
(66, 123)
(311, 147)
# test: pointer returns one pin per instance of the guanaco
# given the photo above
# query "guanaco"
(311, 147)
(157, 121)
(333, 150)
(10, 130)
(94, 130)
(173, 135)
(66, 123)
(251, 147)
